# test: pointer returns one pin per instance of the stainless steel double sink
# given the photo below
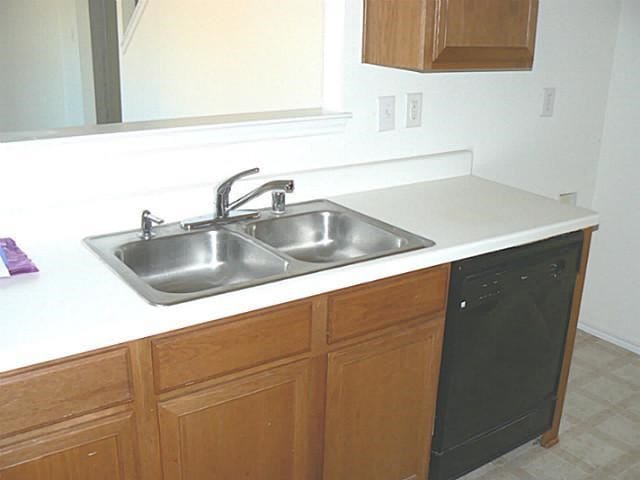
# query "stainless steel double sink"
(176, 265)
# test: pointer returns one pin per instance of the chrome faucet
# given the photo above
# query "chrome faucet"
(226, 210)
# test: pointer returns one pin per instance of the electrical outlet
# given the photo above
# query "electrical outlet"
(386, 113)
(570, 198)
(548, 101)
(414, 110)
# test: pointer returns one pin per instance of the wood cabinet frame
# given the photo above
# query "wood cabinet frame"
(552, 436)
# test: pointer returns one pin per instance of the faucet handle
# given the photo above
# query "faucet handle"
(146, 224)
(224, 189)
(229, 181)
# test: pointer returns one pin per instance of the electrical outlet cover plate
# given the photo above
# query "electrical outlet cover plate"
(570, 198)
(414, 110)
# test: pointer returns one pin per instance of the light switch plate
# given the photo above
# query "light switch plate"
(386, 113)
(548, 102)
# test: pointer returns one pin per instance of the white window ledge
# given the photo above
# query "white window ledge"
(198, 131)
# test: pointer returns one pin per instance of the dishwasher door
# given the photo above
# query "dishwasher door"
(505, 332)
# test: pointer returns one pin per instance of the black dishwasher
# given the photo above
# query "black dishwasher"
(506, 326)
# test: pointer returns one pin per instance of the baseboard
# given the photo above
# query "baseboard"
(632, 347)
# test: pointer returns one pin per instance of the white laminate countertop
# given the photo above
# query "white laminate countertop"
(77, 304)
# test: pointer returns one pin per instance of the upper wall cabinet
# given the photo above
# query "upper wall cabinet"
(450, 35)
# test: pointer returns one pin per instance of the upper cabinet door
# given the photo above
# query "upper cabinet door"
(483, 34)
(450, 35)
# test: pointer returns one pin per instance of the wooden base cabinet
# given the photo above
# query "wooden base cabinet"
(336, 386)
(380, 406)
(352, 373)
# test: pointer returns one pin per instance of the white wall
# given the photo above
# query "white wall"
(41, 65)
(198, 57)
(611, 297)
(497, 115)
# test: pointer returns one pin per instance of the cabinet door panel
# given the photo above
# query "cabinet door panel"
(450, 35)
(484, 34)
(254, 427)
(380, 404)
(102, 450)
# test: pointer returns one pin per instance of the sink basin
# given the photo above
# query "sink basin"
(327, 236)
(200, 261)
(176, 265)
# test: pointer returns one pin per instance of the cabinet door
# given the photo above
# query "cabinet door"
(99, 450)
(449, 35)
(484, 34)
(254, 427)
(380, 406)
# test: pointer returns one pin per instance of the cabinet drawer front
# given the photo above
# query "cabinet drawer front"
(216, 350)
(370, 307)
(49, 394)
